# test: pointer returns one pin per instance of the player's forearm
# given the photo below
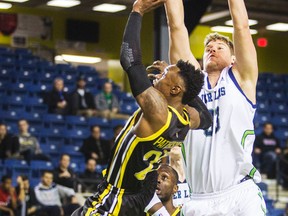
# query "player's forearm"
(131, 57)
(179, 44)
(239, 14)
(175, 14)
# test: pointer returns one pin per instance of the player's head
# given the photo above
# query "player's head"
(167, 182)
(181, 81)
(218, 53)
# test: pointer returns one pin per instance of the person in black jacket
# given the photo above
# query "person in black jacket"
(90, 178)
(82, 102)
(266, 150)
(9, 144)
(95, 147)
(63, 174)
(57, 99)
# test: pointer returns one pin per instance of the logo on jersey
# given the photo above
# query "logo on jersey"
(211, 96)
(163, 143)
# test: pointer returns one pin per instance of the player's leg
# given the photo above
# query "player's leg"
(253, 204)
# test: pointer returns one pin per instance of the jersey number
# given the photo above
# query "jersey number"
(213, 113)
(148, 157)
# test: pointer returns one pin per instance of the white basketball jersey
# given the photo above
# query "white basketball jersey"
(218, 158)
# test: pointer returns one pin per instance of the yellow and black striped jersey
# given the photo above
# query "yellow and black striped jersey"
(133, 157)
(177, 212)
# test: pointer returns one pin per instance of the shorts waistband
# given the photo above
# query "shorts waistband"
(247, 182)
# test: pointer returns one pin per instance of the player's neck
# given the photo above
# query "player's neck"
(213, 77)
(176, 104)
(169, 206)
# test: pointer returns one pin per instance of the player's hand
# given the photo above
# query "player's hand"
(157, 66)
(144, 6)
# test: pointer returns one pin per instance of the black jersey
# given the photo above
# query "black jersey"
(133, 157)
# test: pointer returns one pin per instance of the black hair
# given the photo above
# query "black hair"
(5, 178)
(267, 123)
(46, 171)
(64, 154)
(24, 177)
(193, 79)
(93, 126)
(119, 126)
(170, 170)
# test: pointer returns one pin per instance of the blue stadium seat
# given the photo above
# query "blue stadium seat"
(129, 108)
(45, 79)
(263, 107)
(19, 88)
(280, 121)
(38, 166)
(76, 133)
(17, 167)
(101, 122)
(2, 169)
(32, 117)
(127, 98)
(10, 117)
(282, 134)
(77, 122)
(52, 135)
(16, 103)
(54, 120)
(106, 133)
(116, 122)
(279, 108)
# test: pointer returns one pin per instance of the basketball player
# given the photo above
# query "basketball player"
(160, 123)
(167, 187)
(219, 167)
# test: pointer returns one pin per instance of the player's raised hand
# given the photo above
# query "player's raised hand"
(144, 6)
(157, 66)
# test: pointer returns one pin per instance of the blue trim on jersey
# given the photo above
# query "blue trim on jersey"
(208, 83)
(239, 88)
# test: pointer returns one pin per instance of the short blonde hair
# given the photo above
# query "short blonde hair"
(215, 36)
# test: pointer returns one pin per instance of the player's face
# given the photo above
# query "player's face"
(165, 185)
(217, 55)
(166, 79)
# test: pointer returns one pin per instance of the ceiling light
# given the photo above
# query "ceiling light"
(250, 22)
(63, 3)
(214, 16)
(17, 1)
(111, 8)
(229, 29)
(77, 58)
(5, 5)
(278, 27)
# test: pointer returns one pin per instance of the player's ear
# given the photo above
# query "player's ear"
(175, 188)
(233, 59)
(175, 90)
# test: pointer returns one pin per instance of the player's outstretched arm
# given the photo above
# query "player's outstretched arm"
(245, 52)
(179, 45)
(151, 101)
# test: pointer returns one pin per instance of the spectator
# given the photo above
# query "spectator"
(29, 146)
(107, 103)
(82, 102)
(9, 144)
(49, 196)
(8, 198)
(63, 174)
(89, 179)
(266, 150)
(95, 147)
(116, 130)
(27, 197)
(57, 99)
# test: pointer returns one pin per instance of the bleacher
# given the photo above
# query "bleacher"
(24, 79)
(272, 104)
